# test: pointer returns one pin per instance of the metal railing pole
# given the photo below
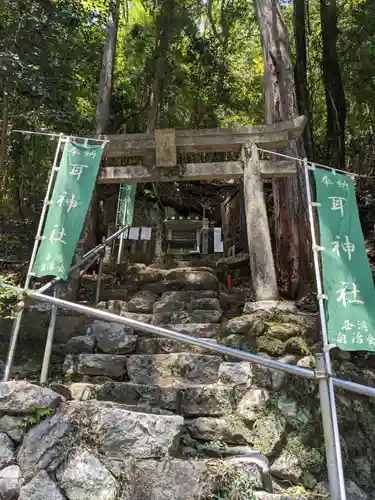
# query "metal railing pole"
(100, 275)
(333, 480)
(340, 487)
(120, 248)
(85, 258)
(87, 266)
(18, 319)
(347, 385)
(49, 340)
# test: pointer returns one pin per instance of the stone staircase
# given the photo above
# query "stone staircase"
(166, 411)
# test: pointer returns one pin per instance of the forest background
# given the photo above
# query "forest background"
(92, 67)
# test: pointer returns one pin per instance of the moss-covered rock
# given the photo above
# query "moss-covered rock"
(268, 433)
(270, 345)
(297, 416)
(310, 458)
(283, 331)
(252, 404)
(296, 345)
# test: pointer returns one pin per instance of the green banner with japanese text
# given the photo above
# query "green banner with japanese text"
(70, 201)
(347, 277)
(125, 211)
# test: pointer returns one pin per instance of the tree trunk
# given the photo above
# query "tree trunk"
(89, 237)
(334, 88)
(90, 231)
(158, 76)
(4, 133)
(292, 241)
(300, 71)
(108, 64)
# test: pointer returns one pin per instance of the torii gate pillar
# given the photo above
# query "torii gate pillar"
(263, 273)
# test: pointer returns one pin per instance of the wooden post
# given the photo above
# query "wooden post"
(205, 228)
(262, 265)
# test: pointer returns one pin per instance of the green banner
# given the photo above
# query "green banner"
(126, 202)
(70, 200)
(347, 276)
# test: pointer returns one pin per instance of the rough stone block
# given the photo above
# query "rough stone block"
(286, 468)
(109, 365)
(12, 426)
(46, 444)
(164, 480)
(186, 368)
(188, 295)
(246, 324)
(120, 433)
(113, 338)
(21, 397)
(82, 344)
(6, 451)
(273, 306)
(142, 302)
(268, 433)
(114, 306)
(239, 374)
(209, 400)
(83, 476)
(168, 306)
(83, 391)
(252, 403)
(136, 394)
(196, 316)
(41, 487)
(10, 482)
(191, 279)
(177, 479)
(159, 345)
(204, 330)
(204, 304)
(227, 429)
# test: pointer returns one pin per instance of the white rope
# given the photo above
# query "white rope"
(314, 164)
(53, 134)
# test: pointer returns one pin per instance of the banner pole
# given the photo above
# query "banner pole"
(18, 319)
(337, 481)
(100, 276)
(49, 341)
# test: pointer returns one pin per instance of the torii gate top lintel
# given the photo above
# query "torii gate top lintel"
(165, 144)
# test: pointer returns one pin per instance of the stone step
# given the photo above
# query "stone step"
(212, 400)
(160, 345)
(175, 369)
(204, 330)
(188, 295)
(169, 304)
(109, 365)
(185, 368)
(153, 369)
(197, 316)
(178, 479)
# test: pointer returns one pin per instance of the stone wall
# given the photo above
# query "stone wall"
(148, 418)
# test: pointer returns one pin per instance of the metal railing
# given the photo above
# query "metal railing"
(320, 375)
(87, 261)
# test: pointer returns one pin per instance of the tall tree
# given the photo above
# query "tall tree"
(291, 229)
(334, 87)
(103, 108)
(300, 72)
(108, 63)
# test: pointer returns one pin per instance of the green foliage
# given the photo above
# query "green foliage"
(232, 485)
(212, 74)
(35, 417)
(8, 298)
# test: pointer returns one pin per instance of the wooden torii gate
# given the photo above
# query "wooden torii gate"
(164, 145)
